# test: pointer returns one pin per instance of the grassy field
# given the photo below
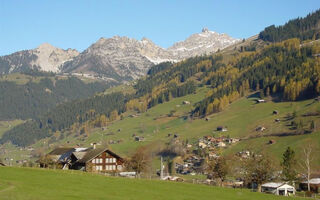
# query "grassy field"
(7, 125)
(27, 183)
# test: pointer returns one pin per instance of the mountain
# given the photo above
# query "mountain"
(115, 59)
(118, 58)
(123, 58)
(201, 43)
(45, 58)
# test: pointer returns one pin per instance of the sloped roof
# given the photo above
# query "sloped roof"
(61, 150)
(313, 181)
(92, 153)
(1, 164)
(79, 155)
(272, 185)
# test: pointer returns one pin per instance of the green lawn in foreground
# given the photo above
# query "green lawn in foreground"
(26, 183)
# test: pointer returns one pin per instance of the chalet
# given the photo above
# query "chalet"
(278, 189)
(261, 101)
(221, 144)
(186, 102)
(97, 160)
(58, 157)
(202, 145)
(139, 138)
(314, 185)
(260, 128)
(222, 128)
(277, 120)
(275, 112)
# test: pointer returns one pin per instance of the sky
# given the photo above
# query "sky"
(25, 24)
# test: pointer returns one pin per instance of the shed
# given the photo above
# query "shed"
(222, 128)
(278, 188)
(314, 185)
(261, 101)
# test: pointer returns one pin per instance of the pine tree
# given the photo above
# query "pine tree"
(289, 165)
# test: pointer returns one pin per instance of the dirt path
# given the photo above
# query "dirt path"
(7, 189)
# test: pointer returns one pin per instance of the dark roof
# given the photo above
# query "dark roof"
(61, 150)
(1, 164)
(92, 153)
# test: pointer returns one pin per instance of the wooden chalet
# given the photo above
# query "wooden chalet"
(96, 160)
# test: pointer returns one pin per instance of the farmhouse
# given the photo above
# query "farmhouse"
(261, 101)
(314, 185)
(222, 128)
(58, 157)
(97, 160)
(278, 188)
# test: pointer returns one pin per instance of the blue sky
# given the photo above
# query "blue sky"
(77, 23)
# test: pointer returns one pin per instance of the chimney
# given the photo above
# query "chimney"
(94, 145)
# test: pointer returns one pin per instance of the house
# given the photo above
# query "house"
(202, 145)
(275, 112)
(221, 144)
(277, 120)
(278, 189)
(222, 128)
(97, 160)
(314, 185)
(186, 102)
(260, 128)
(261, 101)
(57, 157)
(139, 138)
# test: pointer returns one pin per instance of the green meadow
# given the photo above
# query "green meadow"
(30, 184)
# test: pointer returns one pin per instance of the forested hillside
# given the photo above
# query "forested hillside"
(25, 101)
(302, 28)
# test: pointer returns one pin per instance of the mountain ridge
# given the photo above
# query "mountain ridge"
(118, 59)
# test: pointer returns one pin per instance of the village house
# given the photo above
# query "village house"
(57, 157)
(97, 160)
(222, 128)
(261, 101)
(278, 189)
(139, 138)
(186, 102)
(260, 128)
(314, 185)
(87, 159)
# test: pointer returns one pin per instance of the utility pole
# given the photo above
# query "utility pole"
(161, 169)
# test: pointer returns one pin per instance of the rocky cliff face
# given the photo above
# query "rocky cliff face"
(116, 59)
(202, 43)
(45, 58)
(119, 58)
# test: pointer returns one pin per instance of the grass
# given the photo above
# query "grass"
(7, 125)
(27, 183)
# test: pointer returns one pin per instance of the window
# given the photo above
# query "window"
(93, 161)
(113, 167)
(100, 160)
(119, 167)
(98, 168)
(114, 160)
